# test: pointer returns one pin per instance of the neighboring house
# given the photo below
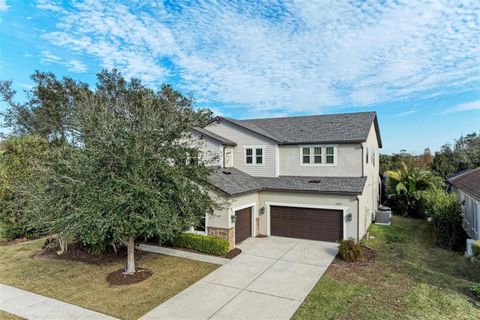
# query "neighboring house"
(467, 186)
(310, 177)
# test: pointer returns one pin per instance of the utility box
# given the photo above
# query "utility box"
(383, 215)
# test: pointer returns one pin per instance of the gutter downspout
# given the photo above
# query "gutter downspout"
(223, 157)
(358, 218)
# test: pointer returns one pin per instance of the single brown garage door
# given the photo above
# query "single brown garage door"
(243, 224)
(306, 223)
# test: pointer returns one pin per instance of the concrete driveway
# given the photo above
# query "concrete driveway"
(269, 280)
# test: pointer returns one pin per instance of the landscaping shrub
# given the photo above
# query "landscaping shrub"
(446, 213)
(476, 290)
(206, 244)
(18, 156)
(476, 250)
(405, 186)
(350, 250)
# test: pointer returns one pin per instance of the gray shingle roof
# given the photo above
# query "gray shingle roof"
(238, 182)
(353, 185)
(468, 181)
(214, 136)
(330, 128)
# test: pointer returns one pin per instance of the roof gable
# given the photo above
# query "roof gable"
(468, 181)
(334, 128)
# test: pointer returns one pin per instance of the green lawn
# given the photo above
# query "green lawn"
(411, 278)
(85, 285)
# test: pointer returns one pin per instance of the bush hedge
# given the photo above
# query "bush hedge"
(446, 213)
(476, 251)
(18, 156)
(206, 244)
(350, 250)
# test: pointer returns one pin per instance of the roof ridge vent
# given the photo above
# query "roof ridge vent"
(315, 181)
(226, 172)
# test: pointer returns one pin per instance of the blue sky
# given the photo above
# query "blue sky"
(416, 63)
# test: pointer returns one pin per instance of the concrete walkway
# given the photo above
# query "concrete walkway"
(29, 305)
(183, 254)
(269, 280)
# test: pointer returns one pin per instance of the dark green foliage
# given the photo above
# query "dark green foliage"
(19, 157)
(476, 249)
(476, 290)
(404, 187)
(463, 155)
(49, 109)
(476, 253)
(206, 244)
(350, 250)
(118, 168)
(446, 213)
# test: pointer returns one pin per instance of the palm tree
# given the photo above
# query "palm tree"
(404, 186)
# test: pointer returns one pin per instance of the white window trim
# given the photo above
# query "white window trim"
(324, 155)
(345, 210)
(254, 163)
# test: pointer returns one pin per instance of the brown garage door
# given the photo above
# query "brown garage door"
(306, 223)
(243, 224)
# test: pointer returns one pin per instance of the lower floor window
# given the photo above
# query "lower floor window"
(201, 227)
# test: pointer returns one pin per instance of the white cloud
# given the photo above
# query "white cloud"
(77, 66)
(403, 114)
(292, 56)
(3, 6)
(73, 65)
(48, 5)
(469, 106)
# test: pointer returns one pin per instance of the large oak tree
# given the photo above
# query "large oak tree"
(121, 171)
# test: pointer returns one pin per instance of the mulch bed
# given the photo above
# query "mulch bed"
(118, 278)
(233, 253)
(77, 252)
(368, 259)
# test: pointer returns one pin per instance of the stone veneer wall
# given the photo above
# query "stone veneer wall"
(227, 234)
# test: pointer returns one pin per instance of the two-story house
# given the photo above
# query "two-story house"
(309, 177)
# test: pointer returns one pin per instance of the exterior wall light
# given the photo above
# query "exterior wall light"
(233, 218)
(261, 210)
(349, 216)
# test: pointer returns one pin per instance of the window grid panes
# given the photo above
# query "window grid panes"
(259, 155)
(317, 155)
(249, 155)
(306, 155)
(330, 155)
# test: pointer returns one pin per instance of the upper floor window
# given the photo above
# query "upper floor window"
(366, 154)
(318, 155)
(330, 155)
(373, 157)
(254, 155)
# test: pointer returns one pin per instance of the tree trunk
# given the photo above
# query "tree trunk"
(63, 241)
(131, 255)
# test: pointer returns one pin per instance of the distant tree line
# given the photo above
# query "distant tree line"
(463, 154)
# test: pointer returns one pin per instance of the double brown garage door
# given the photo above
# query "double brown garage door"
(306, 223)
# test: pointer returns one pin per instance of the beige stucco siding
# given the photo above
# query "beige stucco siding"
(348, 162)
(371, 170)
(243, 138)
(221, 218)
